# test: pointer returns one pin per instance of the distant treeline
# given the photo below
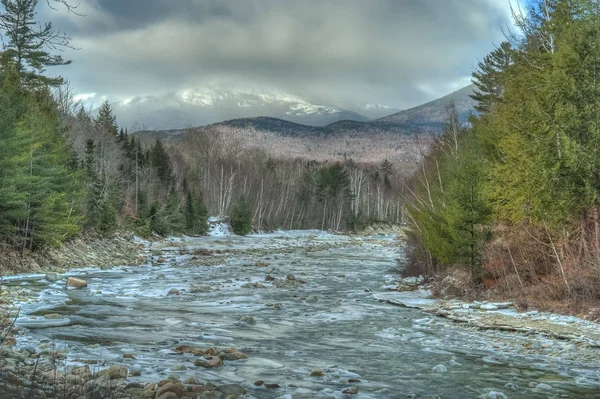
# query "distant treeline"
(63, 171)
(514, 198)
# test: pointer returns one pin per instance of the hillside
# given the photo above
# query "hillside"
(400, 137)
(434, 112)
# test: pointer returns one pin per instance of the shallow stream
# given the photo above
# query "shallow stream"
(394, 352)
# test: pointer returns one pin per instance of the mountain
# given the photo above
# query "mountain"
(373, 111)
(204, 106)
(401, 137)
(434, 112)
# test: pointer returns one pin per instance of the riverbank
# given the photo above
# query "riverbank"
(548, 327)
(85, 251)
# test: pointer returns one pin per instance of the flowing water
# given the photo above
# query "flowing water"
(346, 333)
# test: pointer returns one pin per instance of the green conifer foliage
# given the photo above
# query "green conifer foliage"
(241, 217)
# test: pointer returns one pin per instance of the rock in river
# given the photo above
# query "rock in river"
(232, 390)
(440, 368)
(247, 320)
(53, 277)
(76, 283)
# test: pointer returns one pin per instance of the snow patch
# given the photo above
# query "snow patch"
(217, 227)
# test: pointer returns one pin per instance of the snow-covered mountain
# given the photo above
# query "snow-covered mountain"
(208, 105)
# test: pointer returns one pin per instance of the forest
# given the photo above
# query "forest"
(511, 199)
(65, 170)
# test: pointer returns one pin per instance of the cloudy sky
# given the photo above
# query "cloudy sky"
(394, 52)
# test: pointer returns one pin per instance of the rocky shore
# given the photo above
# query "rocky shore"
(86, 251)
(28, 373)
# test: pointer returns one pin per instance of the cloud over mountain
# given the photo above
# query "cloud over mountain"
(398, 53)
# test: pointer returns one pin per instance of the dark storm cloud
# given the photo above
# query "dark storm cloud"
(396, 52)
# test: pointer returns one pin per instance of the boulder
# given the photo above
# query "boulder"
(215, 362)
(114, 372)
(312, 299)
(173, 291)
(171, 388)
(231, 390)
(53, 277)
(211, 395)
(76, 283)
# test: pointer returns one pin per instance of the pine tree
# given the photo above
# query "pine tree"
(488, 78)
(159, 159)
(27, 43)
(241, 217)
(51, 186)
(106, 121)
(196, 215)
(12, 199)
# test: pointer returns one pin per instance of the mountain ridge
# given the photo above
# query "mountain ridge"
(209, 105)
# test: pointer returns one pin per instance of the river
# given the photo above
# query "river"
(342, 330)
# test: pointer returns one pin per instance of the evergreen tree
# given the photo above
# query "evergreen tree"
(241, 217)
(196, 215)
(488, 78)
(106, 121)
(160, 161)
(51, 186)
(27, 43)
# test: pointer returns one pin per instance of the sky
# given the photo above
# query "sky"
(398, 53)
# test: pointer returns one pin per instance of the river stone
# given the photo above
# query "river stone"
(440, 368)
(53, 277)
(247, 320)
(211, 395)
(178, 367)
(148, 394)
(232, 390)
(544, 387)
(168, 395)
(215, 362)
(135, 392)
(350, 391)
(192, 381)
(114, 372)
(317, 373)
(76, 283)
(493, 395)
(312, 299)
(173, 291)
(172, 388)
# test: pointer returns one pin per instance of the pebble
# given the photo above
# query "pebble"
(511, 386)
(493, 395)
(247, 320)
(440, 368)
